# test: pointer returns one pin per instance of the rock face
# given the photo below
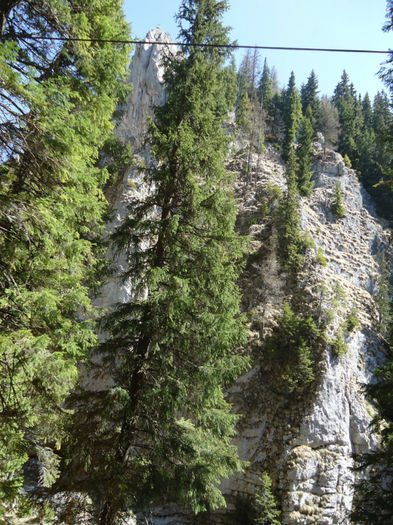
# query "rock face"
(146, 75)
(305, 443)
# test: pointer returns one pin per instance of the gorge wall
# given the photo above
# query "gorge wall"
(305, 443)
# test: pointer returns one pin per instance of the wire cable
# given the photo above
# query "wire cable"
(229, 46)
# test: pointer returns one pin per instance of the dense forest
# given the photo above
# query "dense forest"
(161, 430)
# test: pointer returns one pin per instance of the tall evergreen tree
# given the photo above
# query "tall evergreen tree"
(163, 433)
(367, 111)
(309, 97)
(349, 109)
(292, 111)
(288, 221)
(243, 104)
(57, 100)
(265, 89)
(304, 154)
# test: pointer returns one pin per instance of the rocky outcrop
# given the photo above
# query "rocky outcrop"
(146, 76)
(305, 443)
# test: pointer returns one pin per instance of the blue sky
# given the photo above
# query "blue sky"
(299, 23)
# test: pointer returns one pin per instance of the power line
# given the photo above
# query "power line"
(229, 46)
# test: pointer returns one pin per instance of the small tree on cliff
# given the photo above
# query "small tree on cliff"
(163, 433)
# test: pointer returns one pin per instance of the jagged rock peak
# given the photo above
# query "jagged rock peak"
(146, 76)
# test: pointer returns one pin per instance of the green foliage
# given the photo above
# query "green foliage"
(265, 89)
(292, 111)
(373, 497)
(57, 101)
(243, 106)
(293, 348)
(274, 191)
(304, 155)
(164, 433)
(309, 97)
(309, 243)
(364, 139)
(339, 346)
(270, 198)
(231, 88)
(383, 297)
(320, 258)
(339, 292)
(347, 161)
(291, 241)
(352, 321)
(338, 203)
(265, 503)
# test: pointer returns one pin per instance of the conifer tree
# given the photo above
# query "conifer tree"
(265, 89)
(367, 111)
(304, 155)
(243, 104)
(56, 100)
(350, 117)
(288, 221)
(309, 97)
(163, 433)
(266, 506)
(338, 203)
(292, 112)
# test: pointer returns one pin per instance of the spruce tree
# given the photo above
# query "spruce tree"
(243, 104)
(350, 115)
(309, 97)
(291, 241)
(367, 111)
(292, 112)
(57, 100)
(265, 89)
(265, 503)
(304, 155)
(163, 432)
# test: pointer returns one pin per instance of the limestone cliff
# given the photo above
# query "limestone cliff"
(305, 443)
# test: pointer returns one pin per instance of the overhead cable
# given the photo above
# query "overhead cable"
(229, 46)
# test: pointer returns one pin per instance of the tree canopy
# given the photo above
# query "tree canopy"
(56, 100)
(172, 349)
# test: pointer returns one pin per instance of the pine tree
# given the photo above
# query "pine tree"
(57, 100)
(304, 155)
(163, 433)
